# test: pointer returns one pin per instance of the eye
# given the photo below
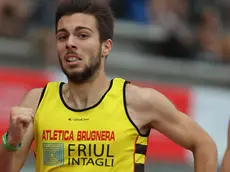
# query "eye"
(83, 36)
(62, 37)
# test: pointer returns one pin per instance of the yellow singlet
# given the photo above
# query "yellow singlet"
(101, 138)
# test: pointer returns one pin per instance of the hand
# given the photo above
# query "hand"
(20, 119)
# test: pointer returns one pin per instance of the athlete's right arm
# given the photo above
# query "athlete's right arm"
(21, 118)
(225, 167)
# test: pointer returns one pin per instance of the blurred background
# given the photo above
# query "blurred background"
(179, 47)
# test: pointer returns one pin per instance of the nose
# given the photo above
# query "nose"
(71, 43)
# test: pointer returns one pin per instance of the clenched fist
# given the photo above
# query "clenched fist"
(20, 119)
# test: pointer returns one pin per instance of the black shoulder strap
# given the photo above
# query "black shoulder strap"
(42, 95)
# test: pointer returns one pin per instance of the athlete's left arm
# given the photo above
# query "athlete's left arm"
(165, 118)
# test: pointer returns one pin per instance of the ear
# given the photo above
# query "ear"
(107, 47)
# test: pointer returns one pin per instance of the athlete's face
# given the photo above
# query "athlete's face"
(80, 52)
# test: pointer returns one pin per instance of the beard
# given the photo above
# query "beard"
(87, 73)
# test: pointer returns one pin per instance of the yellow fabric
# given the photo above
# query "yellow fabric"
(98, 139)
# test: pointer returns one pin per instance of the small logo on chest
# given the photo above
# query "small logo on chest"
(78, 119)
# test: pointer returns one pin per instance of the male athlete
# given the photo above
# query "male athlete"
(226, 160)
(91, 123)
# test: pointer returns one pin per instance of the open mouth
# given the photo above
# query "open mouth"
(72, 58)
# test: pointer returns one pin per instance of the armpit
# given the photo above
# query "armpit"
(138, 107)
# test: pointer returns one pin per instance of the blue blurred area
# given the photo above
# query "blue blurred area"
(135, 10)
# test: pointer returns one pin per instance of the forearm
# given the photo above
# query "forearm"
(6, 159)
(205, 157)
(226, 162)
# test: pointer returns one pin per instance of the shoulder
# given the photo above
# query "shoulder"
(144, 96)
(147, 100)
(32, 98)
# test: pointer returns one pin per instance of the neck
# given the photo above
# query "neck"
(81, 96)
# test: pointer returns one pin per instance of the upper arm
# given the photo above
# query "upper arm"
(30, 100)
(162, 115)
(176, 125)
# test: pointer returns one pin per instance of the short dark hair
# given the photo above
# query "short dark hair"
(101, 11)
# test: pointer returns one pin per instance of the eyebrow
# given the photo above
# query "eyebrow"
(76, 29)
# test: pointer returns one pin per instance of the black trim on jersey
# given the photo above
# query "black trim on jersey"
(81, 110)
(126, 111)
(141, 149)
(42, 95)
(139, 167)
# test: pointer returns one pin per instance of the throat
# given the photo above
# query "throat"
(77, 101)
(80, 98)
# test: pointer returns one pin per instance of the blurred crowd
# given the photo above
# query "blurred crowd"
(196, 29)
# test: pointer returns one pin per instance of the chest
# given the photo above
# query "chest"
(94, 127)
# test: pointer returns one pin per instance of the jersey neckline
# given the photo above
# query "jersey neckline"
(85, 109)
